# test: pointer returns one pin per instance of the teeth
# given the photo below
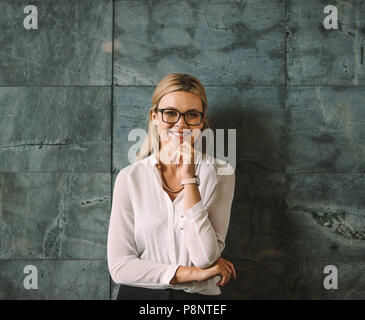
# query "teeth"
(179, 134)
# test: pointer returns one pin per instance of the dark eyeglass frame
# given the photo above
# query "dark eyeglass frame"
(181, 113)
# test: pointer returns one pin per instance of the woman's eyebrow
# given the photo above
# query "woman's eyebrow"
(178, 110)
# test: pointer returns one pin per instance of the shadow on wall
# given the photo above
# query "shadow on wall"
(258, 234)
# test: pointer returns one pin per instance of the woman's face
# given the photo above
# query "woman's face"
(183, 102)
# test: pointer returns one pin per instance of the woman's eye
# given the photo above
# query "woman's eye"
(171, 113)
(193, 114)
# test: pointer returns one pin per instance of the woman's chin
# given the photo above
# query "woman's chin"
(176, 139)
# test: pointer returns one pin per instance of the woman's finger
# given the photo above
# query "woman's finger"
(231, 267)
(226, 267)
(234, 271)
(223, 280)
(195, 133)
(226, 280)
(187, 153)
(228, 274)
(224, 274)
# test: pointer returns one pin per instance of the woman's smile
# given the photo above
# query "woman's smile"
(179, 133)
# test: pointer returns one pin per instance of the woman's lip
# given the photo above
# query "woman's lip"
(177, 133)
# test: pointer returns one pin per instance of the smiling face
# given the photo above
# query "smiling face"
(181, 101)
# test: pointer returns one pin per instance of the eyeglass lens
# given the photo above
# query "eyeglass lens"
(172, 116)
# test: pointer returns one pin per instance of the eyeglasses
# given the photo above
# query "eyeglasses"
(192, 118)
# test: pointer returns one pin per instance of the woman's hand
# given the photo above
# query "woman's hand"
(221, 267)
(186, 154)
(181, 152)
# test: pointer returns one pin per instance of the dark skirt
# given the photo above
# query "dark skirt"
(139, 293)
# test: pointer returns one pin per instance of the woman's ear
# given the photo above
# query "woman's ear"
(154, 120)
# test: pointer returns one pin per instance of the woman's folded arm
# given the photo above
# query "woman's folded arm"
(205, 227)
(124, 265)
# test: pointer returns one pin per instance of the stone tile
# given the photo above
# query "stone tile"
(318, 56)
(55, 129)
(258, 280)
(54, 215)
(327, 219)
(290, 280)
(258, 115)
(326, 129)
(220, 42)
(258, 218)
(130, 112)
(57, 280)
(72, 45)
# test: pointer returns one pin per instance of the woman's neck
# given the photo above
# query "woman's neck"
(172, 169)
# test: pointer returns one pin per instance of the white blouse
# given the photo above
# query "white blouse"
(150, 236)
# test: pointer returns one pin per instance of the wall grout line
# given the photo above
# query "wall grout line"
(285, 44)
(50, 259)
(285, 93)
(286, 113)
(205, 85)
(243, 172)
(111, 126)
(264, 260)
(293, 259)
(227, 256)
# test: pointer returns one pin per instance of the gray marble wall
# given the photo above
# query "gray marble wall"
(72, 90)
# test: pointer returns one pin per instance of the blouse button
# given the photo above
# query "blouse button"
(181, 228)
(182, 216)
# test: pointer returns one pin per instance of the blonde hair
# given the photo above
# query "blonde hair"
(171, 83)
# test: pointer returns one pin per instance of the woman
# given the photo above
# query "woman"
(167, 229)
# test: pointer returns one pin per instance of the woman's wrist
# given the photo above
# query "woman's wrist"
(185, 274)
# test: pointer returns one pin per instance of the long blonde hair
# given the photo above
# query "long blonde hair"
(171, 83)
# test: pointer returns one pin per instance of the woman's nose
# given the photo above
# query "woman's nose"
(181, 123)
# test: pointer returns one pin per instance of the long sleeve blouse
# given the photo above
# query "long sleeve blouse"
(150, 235)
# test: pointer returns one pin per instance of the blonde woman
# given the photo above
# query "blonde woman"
(171, 207)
